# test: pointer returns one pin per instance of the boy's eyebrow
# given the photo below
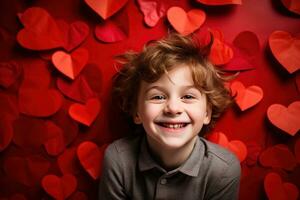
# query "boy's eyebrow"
(185, 87)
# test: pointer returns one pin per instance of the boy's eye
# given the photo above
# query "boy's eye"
(188, 97)
(158, 97)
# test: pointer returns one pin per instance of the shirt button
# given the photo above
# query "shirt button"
(163, 181)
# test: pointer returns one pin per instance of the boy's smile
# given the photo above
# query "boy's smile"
(172, 110)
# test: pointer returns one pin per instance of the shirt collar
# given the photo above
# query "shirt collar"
(190, 167)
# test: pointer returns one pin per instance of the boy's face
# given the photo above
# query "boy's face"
(172, 110)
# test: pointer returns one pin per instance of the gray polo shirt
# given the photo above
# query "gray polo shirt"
(129, 172)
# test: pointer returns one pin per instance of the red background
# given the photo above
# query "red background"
(260, 17)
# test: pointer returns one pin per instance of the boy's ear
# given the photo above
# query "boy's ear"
(208, 115)
(137, 119)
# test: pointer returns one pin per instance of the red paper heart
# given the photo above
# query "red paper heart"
(68, 163)
(75, 34)
(220, 2)
(40, 30)
(220, 52)
(276, 189)
(239, 62)
(70, 64)
(113, 30)
(246, 97)
(297, 150)
(39, 103)
(106, 8)
(54, 143)
(78, 90)
(59, 187)
(254, 150)
(153, 10)
(90, 157)
(235, 146)
(247, 42)
(185, 23)
(87, 113)
(9, 73)
(286, 119)
(286, 49)
(278, 156)
(26, 170)
(6, 132)
(292, 5)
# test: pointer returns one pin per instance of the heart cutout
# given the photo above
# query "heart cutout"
(68, 162)
(9, 73)
(235, 146)
(185, 23)
(87, 113)
(219, 2)
(286, 49)
(78, 90)
(49, 101)
(277, 189)
(278, 156)
(40, 30)
(70, 64)
(246, 97)
(59, 187)
(6, 130)
(106, 8)
(26, 170)
(286, 119)
(90, 157)
(292, 5)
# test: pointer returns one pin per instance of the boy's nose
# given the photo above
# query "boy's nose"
(173, 107)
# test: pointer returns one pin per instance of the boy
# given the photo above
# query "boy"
(175, 94)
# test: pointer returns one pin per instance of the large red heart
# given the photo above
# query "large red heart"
(78, 90)
(6, 132)
(106, 8)
(278, 156)
(54, 143)
(246, 97)
(286, 49)
(90, 157)
(39, 103)
(9, 73)
(87, 113)
(277, 189)
(220, 2)
(70, 64)
(185, 23)
(235, 146)
(292, 5)
(26, 170)
(40, 30)
(153, 10)
(286, 119)
(59, 187)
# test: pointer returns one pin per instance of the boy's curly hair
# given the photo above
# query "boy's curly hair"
(159, 57)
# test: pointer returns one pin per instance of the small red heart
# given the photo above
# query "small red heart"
(9, 73)
(278, 156)
(292, 5)
(68, 163)
(48, 101)
(75, 34)
(246, 97)
(90, 157)
(235, 146)
(277, 189)
(106, 8)
(185, 23)
(78, 90)
(59, 187)
(40, 30)
(286, 119)
(54, 143)
(70, 64)
(26, 170)
(247, 42)
(220, 2)
(87, 113)
(286, 49)
(153, 10)
(6, 130)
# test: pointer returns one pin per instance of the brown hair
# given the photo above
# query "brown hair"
(156, 59)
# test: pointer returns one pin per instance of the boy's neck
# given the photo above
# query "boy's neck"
(169, 158)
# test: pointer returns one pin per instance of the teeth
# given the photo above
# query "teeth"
(174, 126)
